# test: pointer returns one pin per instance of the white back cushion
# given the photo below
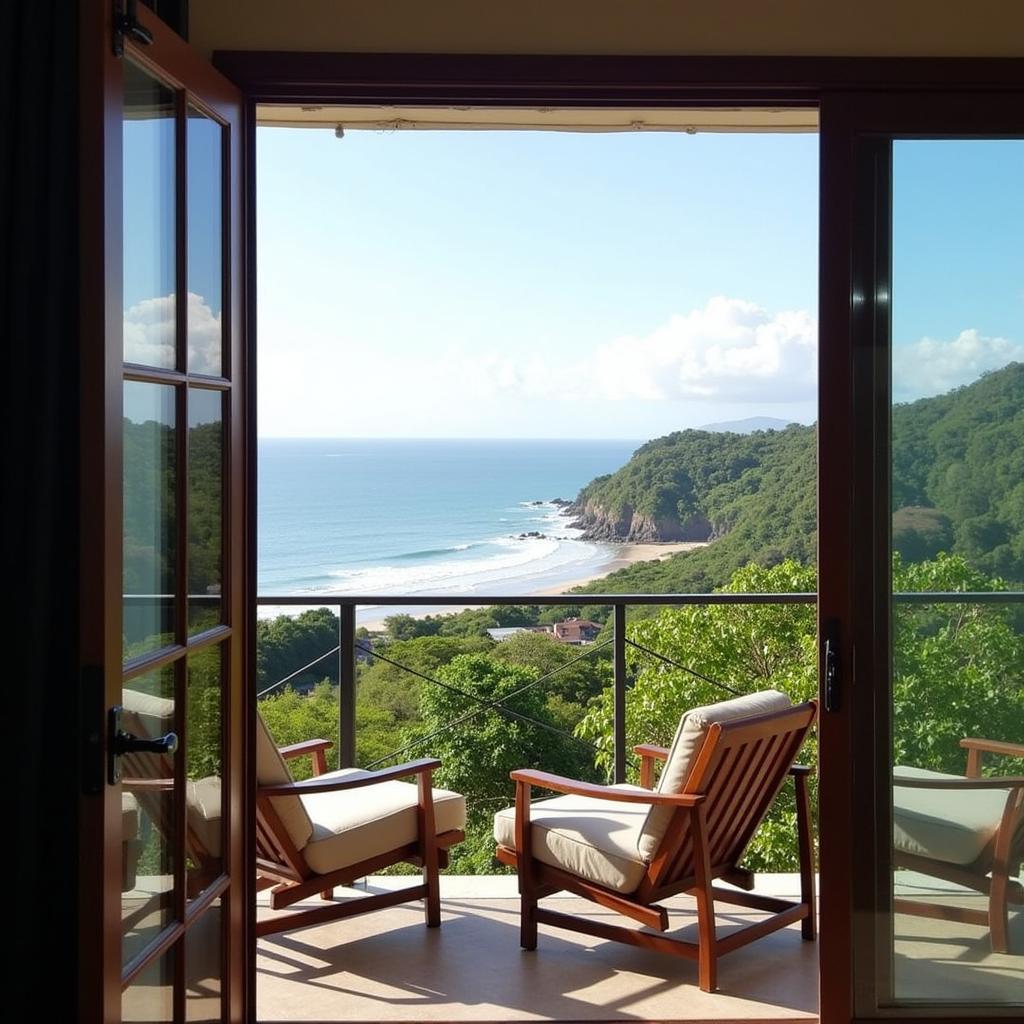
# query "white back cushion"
(693, 728)
(154, 714)
(272, 771)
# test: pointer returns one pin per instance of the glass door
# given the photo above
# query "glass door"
(172, 536)
(923, 579)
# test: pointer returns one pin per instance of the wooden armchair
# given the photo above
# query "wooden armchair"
(148, 786)
(311, 835)
(336, 827)
(626, 847)
(964, 829)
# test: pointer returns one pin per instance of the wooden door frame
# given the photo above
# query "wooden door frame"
(482, 80)
(832, 85)
(100, 459)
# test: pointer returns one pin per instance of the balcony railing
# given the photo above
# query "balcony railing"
(349, 646)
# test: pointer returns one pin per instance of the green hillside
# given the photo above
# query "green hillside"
(961, 457)
(958, 486)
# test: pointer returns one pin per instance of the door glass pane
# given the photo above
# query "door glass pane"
(205, 510)
(149, 999)
(148, 818)
(150, 518)
(148, 138)
(204, 966)
(204, 143)
(204, 762)
(957, 928)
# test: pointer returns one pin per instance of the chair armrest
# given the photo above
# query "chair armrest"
(652, 751)
(423, 766)
(993, 746)
(314, 748)
(962, 782)
(560, 784)
(305, 747)
(147, 785)
(976, 746)
(649, 753)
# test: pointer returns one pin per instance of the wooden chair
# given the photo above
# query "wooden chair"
(626, 847)
(147, 781)
(311, 836)
(964, 829)
(340, 826)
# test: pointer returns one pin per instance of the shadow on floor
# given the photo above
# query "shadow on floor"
(388, 966)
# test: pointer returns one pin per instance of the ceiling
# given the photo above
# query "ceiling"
(539, 119)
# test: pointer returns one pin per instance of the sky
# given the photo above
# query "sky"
(958, 262)
(543, 284)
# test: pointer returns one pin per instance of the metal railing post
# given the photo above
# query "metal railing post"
(347, 685)
(619, 734)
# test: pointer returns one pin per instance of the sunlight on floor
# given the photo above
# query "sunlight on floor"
(388, 966)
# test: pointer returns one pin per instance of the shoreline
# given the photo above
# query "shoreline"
(627, 554)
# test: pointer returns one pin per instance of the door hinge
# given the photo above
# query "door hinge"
(126, 23)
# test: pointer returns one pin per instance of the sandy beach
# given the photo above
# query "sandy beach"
(627, 554)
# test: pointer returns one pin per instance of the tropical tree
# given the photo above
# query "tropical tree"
(957, 671)
(479, 745)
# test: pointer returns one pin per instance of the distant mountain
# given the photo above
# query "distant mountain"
(958, 486)
(747, 426)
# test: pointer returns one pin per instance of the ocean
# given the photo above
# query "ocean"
(422, 517)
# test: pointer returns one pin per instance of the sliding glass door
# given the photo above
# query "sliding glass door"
(923, 566)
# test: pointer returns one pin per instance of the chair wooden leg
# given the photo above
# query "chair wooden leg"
(527, 920)
(805, 842)
(525, 870)
(428, 850)
(707, 953)
(998, 914)
(433, 882)
(327, 894)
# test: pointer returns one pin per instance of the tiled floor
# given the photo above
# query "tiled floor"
(950, 960)
(388, 966)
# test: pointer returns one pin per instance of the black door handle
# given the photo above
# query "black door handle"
(126, 743)
(121, 742)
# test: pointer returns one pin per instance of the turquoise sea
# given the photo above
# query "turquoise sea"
(421, 517)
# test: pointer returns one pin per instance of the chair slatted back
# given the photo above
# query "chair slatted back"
(150, 779)
(740, 769)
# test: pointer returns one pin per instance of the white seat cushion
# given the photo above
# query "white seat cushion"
(593, 839)
(944, 824)
(271, 770)
(356, 824)
(129, 816)
(693, 728)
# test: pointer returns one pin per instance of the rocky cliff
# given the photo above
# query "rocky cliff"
(628, 525)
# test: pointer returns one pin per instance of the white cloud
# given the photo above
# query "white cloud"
(149, 334)
(204, 337)
(730, 350)
(929, 366)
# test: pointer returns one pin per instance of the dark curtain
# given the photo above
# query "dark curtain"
(39, 329)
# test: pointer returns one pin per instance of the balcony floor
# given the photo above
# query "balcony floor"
(387, 966)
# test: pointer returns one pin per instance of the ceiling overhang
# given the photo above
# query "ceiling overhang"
(688, 120)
